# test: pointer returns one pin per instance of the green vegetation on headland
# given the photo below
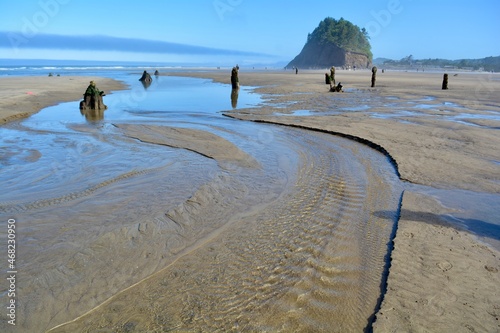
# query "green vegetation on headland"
(342, 33)
(488, 64)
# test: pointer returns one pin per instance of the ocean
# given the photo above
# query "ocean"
(33, 67)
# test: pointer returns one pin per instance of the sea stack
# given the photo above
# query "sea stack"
(335, 42)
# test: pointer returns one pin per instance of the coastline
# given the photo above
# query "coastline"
(433, 261)
(21, 97)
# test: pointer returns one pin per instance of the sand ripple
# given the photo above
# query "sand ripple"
(308, 257)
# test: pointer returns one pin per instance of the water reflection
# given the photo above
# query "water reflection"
(166, 97)
(146, 80)
(146, 84)
(92, 115)
(234, 98)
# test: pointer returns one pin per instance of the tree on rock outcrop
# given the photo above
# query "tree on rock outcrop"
(335, 42)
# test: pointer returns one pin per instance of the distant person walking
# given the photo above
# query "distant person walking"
(296, 70)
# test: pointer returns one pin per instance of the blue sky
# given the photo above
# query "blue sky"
(240, 31)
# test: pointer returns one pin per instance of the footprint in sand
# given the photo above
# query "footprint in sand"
(491, 269)
(444, 265)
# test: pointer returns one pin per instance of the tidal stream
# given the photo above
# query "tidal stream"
(163, 215)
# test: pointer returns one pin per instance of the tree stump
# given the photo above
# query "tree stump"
(235, 82)
(445, 82)
(374, 75)
(93, 102)
(146, 78)
(332, 75)
(337, 88)
(92, 98)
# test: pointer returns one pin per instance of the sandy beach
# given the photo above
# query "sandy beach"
(441, 278)
(444, 269)
(21, 97)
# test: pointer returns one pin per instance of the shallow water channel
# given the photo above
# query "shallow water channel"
(161, 213)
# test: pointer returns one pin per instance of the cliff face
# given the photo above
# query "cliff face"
(325, 55)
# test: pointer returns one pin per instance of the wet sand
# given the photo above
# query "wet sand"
(302, 254)
(21, 97)
(429, 148)
(310, 253)
(442, 278)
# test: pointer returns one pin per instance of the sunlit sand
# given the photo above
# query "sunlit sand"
(281, 220)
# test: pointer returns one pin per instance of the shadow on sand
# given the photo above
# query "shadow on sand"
(475, 226)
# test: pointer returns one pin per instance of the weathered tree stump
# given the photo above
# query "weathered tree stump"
(92, 102)
(235, 82)
(374, 75)
(146, 78)
(445, 82)
(332, 75)
(92, 98)
(337, 88)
